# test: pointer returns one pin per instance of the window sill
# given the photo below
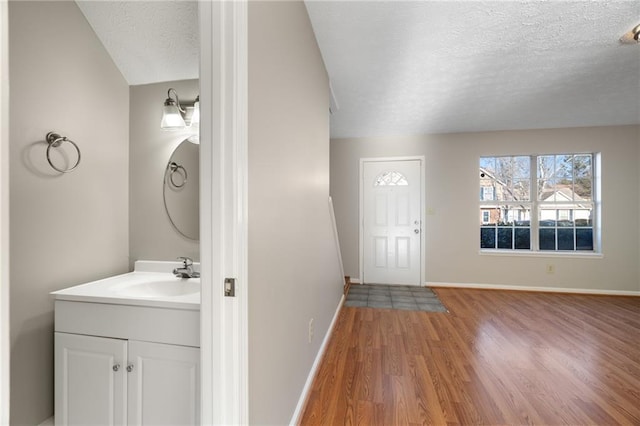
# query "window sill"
(548, 254)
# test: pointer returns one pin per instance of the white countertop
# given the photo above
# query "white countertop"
(147, 285)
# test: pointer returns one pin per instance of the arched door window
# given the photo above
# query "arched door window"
(391, 179)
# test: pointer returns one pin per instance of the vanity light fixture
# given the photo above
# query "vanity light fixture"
(172, 113)
(632, 36)
(195, 117)
(177, 117)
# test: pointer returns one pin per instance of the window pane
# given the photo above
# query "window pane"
(391, 179)
(547, 216)
(545, 175)
(505, 178)
(522, 167)
(487, 178)
(521, 190)
(582, 217)
(547, 239)
(563, 175)
(488, 237)
(584, 239)
(547, 190)
(504, 171)
(512, 224)
(488, 164)
(564, 167)
(523, 238)
(505, 237)
(514, 214)
(565, 239)
(583, 177)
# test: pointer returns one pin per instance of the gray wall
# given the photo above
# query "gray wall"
(151, 235)
(65, 229)
(293, 265)
(452, 192)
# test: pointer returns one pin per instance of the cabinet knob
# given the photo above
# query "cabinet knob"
(129, 368)
(116, 367)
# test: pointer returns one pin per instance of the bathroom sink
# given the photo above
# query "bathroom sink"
(145, 286)
(168, 288)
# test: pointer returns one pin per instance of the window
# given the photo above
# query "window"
(486, 216)
(486, 193)
(537, 203)
(391, 179)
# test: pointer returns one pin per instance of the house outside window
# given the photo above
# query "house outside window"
(537, 203)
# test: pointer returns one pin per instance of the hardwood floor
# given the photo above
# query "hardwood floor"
(498, 357)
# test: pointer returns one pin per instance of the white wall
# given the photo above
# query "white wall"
(151, 235)
(293, 268)
(65, 229)
(452, 232)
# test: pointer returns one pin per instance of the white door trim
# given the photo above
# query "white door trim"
(4, 213)
(223, 211)
(420, 158)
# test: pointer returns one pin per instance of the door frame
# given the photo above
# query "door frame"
(4, 213)
(419, 158)
(223, 211)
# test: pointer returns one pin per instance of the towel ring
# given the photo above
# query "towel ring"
(55, 140)
(177, 168)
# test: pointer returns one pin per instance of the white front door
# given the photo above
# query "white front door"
(391, 222)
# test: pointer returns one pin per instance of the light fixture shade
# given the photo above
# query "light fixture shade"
(171, 118)
(195, 117)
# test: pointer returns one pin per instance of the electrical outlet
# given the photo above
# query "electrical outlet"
(311, 330)
(551, 268)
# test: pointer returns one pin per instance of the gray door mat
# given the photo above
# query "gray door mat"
(405, 297)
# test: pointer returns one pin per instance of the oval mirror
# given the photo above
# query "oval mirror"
(181, 189)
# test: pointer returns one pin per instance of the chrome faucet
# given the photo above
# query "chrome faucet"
(187, 269)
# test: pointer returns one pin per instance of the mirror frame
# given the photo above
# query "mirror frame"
(176, 176)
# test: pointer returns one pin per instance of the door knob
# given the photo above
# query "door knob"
(417, 231)
(129, 368)
(116, 367)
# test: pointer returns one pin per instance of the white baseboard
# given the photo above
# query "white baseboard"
(355, 280)
(537, 289)
(295, 419)
(49, 422)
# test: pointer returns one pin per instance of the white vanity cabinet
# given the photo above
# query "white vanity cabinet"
(126, 364)
(163, 386)
(88, 389)
(105, 381)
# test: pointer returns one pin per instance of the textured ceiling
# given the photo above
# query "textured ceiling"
(149, 41)
(400, 68)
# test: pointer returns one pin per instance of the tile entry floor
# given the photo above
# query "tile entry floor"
(408, 298)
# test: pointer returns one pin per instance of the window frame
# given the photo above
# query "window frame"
(535, 206)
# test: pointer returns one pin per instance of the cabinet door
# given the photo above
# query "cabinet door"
(88, 389)
(164, 384)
